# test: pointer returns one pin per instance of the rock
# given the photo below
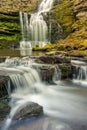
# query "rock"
(9, 6)
(4, 110)
(28, 109)
(66, 70)
(54, 59)
(3, 86)
(2, 59)
(46, 72)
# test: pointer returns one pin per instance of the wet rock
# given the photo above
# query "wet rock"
(4, 110)
(3, 86)
(47, 72)
(66, 70)
(2, 59)
(54, 59)
(28, 109)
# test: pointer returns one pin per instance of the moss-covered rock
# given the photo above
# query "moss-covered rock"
(72, 15)
(9, 29)
(63, 14)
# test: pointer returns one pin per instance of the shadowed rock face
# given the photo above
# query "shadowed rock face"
(4, 110)
(3, 86)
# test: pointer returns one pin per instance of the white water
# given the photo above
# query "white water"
(80, 76)
(58, 101)
(35, 31)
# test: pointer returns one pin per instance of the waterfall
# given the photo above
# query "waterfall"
(80, 74)
(34, 29)
(24, 82)
(58, 101)
(57, 75)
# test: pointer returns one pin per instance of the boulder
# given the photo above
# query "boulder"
(28, 109)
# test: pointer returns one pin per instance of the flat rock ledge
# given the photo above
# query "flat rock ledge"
(28, 110)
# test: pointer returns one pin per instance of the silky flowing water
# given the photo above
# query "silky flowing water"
(80, 75)
(64, 104)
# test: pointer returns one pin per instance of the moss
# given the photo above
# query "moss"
(32, 6)
(78, 53)
(79, 24)
(48, 46)
(83, 45)
(9, 29)
(63, 13)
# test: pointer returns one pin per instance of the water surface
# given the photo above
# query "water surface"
(18, 52)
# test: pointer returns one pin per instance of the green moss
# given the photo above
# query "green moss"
(32, 6)
(83, 45)
(78, 53)
(79, 24)
(63, 13)
(48, 46)
(9, 29)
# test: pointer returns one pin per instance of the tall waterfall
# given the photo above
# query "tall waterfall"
(34, 29)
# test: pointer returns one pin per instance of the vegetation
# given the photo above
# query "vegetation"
(9, 30)
(63, 14)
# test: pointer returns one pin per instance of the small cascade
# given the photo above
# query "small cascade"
(80, 74)
(24, 82)
(58, 101)
(57, 75)
(34, 29)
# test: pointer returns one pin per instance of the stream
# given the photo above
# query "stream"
(64, 103)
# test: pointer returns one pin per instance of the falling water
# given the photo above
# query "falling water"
(58, 101)
(57, 75)
(80, 75)
(34, 29)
